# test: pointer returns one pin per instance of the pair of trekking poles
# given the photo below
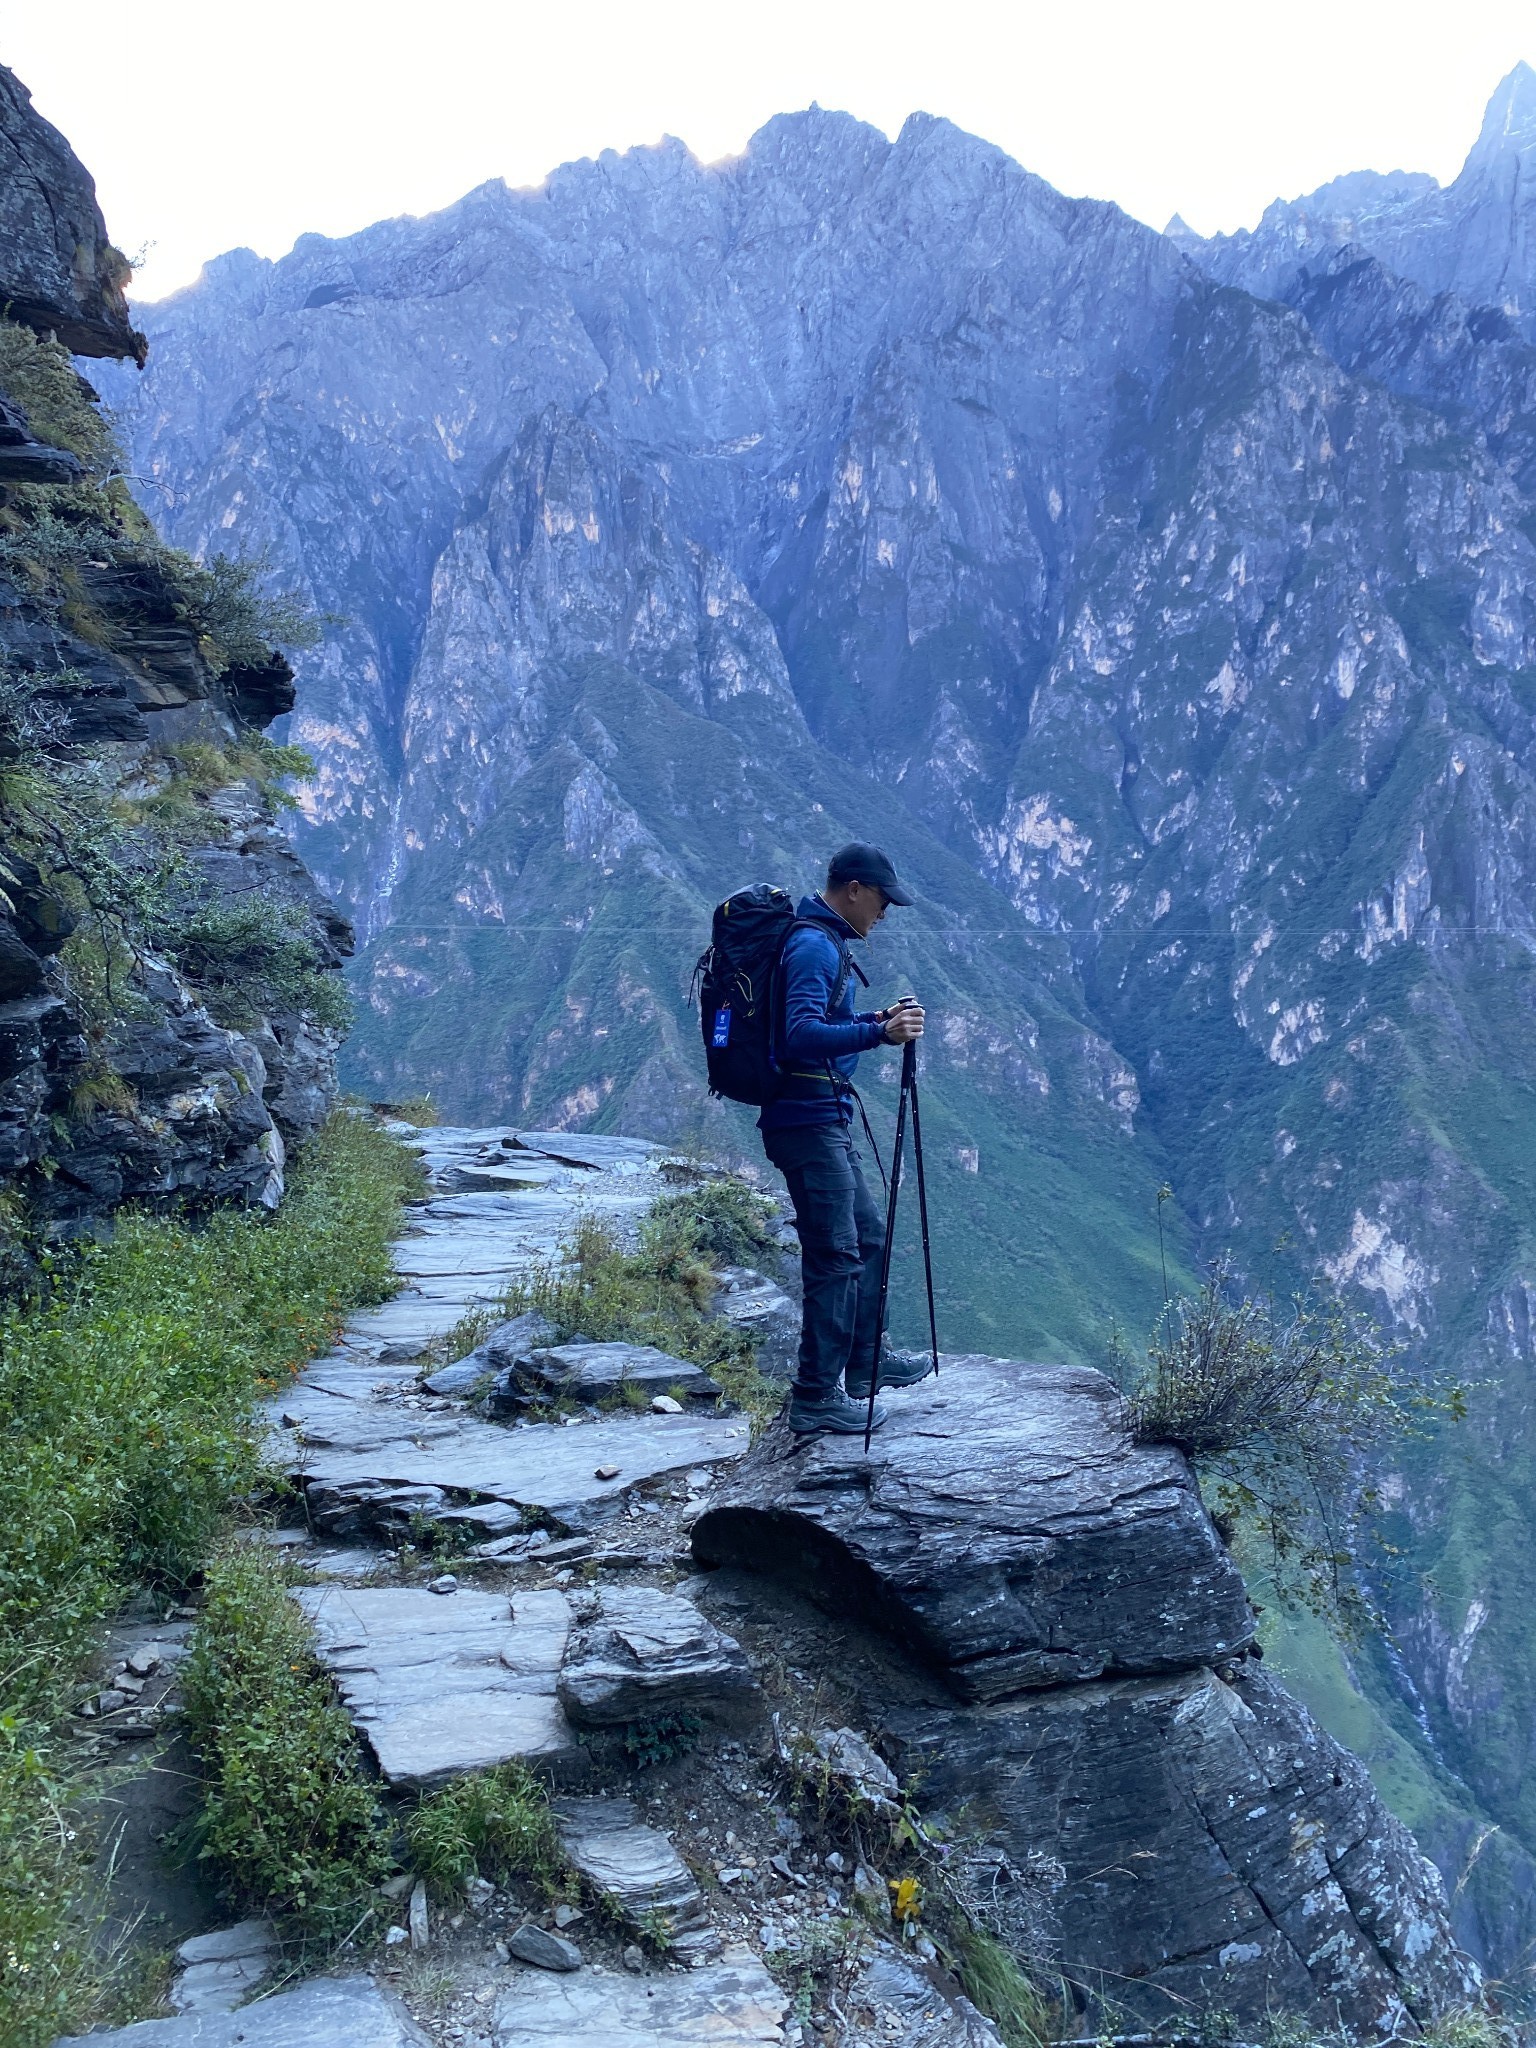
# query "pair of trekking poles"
(892, 1191)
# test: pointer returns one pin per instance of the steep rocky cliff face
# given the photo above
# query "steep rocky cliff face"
(1211, 1847)
(1167, 607)
(168, 995)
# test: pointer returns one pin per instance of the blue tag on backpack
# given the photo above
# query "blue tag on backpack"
(722, 1031)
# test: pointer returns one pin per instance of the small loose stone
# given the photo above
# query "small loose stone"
(634, 1958)
(663, 1404)
(545, 1951)
(445, 1582)
(607, 1472)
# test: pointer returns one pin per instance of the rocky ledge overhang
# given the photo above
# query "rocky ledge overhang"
(1217, 1849)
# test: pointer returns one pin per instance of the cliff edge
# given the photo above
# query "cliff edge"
(1214, 1849)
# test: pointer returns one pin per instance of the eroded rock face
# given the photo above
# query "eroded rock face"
(58, 271)
(1003, 1524)
(153, 1086)
(1218, 1848)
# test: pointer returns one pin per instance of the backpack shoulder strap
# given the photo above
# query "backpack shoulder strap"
(846, 964)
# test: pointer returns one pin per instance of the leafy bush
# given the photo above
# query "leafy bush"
(495, 1824)
(46, 1978)
(126, 1402)
(419, 1110)
(658, 1739)
(126, 1397)
(250, 955)
(1283, 1412)
(200, 768)
(287, 1817)
(236, 620)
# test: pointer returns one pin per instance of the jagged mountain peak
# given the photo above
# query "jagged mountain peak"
(1509, 123)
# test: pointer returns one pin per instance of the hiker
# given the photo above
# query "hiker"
(807, 1128)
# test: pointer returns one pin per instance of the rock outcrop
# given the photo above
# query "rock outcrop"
(1216, 1848)
(1003, 1526)
(167, 1032)
(58, 271)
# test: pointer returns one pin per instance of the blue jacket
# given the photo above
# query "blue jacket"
(809, 1035)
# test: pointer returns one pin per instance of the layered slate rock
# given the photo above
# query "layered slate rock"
(1219, 1849)
(644, 1654)
(751, 1302)
(334, 1445)
(219, 1971)
(731, 2004)
(637, 1870)
(594, 1373)
(438, 1684)
(509, 1346)
(1002, 1523)
(338, 2012)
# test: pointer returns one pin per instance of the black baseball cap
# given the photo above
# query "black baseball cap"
(867, 864)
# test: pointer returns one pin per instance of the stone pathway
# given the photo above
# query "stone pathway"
(507, 1655)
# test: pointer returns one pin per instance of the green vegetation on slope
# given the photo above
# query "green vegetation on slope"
(127, 1399)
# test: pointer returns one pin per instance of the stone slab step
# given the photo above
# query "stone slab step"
(901, 2003)
(638, 1869)
(572, 1148)
(537, 1465)
(644, 1653)
(438, 1684)
(327, 2012)
(219, 1971)
(730, 2004)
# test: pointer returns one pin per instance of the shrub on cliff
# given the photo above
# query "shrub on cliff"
(252, 956)
(1286, 1412)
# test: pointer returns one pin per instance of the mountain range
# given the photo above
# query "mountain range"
(1166, 606)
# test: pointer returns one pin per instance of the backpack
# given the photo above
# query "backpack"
(736, 982)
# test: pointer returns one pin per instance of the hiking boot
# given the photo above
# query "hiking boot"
(832, 1414)
(897, 1369)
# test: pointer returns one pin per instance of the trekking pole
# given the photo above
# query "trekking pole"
(922, 1206)
(908, 1069)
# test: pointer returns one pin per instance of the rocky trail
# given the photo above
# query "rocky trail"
(559, 1624)
(715, 1651)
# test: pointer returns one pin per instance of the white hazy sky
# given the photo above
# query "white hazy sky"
(209, 124)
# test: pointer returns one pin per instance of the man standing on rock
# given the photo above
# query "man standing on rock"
(808, 1135)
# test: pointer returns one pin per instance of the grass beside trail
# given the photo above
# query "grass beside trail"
(126, 1400)
(659, 1292)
